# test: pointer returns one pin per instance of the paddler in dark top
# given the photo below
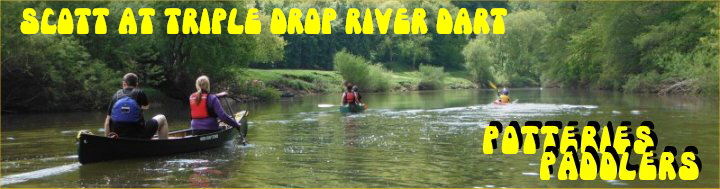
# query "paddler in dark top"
(205, 109)
(357, 94)
(125, 113)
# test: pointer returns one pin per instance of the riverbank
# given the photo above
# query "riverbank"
(309, 82)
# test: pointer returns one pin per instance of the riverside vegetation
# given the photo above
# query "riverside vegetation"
(656, 47)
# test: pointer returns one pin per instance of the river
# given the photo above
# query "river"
(411, 139)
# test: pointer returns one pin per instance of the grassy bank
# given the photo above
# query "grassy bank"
(304, 82)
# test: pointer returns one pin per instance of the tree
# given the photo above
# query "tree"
(479, 59)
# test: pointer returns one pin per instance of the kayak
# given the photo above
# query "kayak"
(353, 108)
(497, 102)
(94, 148)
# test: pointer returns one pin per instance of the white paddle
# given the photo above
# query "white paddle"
(325, 105)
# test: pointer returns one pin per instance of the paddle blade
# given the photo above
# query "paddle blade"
(325, 105)
(492, 84)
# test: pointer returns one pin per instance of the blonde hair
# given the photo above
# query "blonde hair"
(202, 84)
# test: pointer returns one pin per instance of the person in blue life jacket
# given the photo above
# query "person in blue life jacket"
(206, 109)
(125, 113)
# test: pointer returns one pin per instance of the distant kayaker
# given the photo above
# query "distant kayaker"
(504, 97)
(125, 113)
(205, 109)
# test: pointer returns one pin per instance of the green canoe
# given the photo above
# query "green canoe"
(353, 108)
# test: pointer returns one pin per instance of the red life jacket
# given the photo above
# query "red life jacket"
(199, 110)
(349, 97)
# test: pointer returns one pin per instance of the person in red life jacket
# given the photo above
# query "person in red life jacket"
(349, 97)
(205, 109)
(125, 113)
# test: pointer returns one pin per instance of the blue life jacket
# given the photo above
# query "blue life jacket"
(126, 110)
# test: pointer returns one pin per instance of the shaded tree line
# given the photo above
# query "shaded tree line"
(76, 72)
(660, 47)
(396, 52)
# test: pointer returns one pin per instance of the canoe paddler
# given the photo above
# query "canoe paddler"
(125, 113)
(349, 98)
(206, 109)
(357, 94)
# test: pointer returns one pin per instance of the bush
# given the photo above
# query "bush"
(378, 78)
(432, 77)
(520, 81)
(645, 83)
(357, 70)
(290, 83)
(690, 73)
(257, 89)
(479, 59)
(684, 73)
(53, 72)
(266, 94)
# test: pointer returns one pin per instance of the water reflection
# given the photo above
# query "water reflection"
(201, 169)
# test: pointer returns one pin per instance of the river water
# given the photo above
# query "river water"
(412, 139)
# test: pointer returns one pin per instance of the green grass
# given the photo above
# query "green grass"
(454, 80)
(319, 82)
(313, 81)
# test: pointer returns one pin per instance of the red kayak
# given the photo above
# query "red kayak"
(500, 103)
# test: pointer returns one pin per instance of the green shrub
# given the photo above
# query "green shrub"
(257, 89)
(689, 73)
(357, 70)
(647, 82)
(290, 83)
(479, 59)
(55, 72)
(431, 77)
(684, 73)
(267, 94)
(459, 83)
(378, 78)
(520, 81)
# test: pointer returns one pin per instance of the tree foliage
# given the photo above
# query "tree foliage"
(650, 46)
(663, 47)
(654, 46)
(432, 77)
(82, 71)
(359, 71)
(398, 52)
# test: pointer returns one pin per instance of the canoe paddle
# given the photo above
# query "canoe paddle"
(222, 95)
(494, 87)
(326, 105)
(332, 105)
